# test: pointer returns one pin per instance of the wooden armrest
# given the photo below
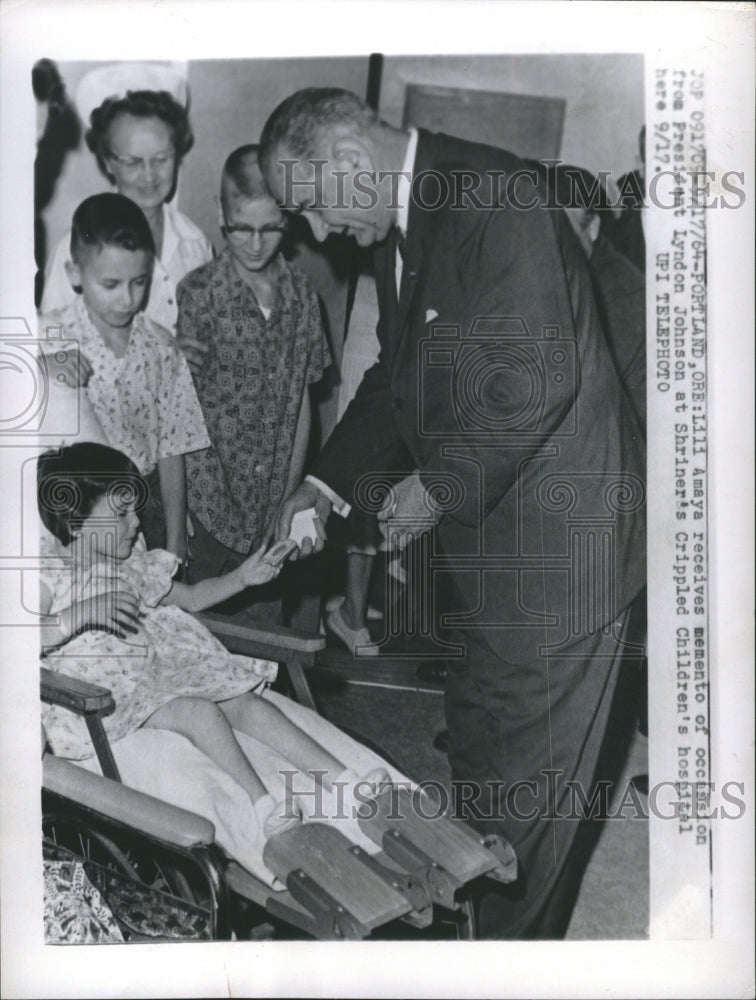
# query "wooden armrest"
(78, 696)
(135, 809)
(247, 638)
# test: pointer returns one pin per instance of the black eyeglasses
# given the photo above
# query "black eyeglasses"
(133, 164)
(240, 234)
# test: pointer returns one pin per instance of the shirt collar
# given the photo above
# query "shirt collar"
(404, 187)
(170, 233)
(85, 324)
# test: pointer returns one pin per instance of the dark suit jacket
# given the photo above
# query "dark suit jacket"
(495, 381)
(620, 290)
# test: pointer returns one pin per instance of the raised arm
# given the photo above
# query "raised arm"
(205, 594)
(173, 494)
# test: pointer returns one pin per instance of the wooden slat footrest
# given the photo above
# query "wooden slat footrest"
(452, 845)
(313, 854)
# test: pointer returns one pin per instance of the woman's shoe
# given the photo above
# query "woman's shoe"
(356, 640)
(372, 614)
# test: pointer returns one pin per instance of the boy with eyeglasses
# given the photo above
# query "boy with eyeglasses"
(249, 325)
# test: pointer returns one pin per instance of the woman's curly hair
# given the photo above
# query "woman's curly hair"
(139, 104)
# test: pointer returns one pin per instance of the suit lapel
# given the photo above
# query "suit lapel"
(418, 247)
(395, 310)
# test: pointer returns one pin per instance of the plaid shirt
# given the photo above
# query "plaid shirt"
(251, 392)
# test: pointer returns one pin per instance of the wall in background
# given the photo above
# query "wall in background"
(232, 98)
(604, 95)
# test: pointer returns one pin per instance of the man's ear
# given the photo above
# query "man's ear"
(74, 275)
(352, 152)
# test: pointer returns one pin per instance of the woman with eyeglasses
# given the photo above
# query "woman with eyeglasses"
(139, 133)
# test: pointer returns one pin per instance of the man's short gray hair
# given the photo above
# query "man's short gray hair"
(298, 124)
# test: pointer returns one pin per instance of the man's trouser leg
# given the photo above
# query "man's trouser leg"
(536, 729)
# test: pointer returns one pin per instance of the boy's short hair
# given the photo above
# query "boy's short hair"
(242, 176)
(109, 219)
(70, 481)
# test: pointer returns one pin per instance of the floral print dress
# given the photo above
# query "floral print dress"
(172, 654)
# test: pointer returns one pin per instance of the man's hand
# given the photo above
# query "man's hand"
(68, 366)
(195, 352)
(410, 514)
(305, 496)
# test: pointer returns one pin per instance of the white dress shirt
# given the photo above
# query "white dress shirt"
(403, 192)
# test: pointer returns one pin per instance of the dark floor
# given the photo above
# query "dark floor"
(382, 701)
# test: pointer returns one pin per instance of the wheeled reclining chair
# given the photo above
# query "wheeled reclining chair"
(418, 881)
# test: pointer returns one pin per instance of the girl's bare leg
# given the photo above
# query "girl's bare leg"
(347, 791)
(203, 723)
(257, 717)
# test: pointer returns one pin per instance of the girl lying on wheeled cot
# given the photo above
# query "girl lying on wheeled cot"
(121, 621)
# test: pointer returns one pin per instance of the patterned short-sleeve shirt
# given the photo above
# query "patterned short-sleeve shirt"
(145, 400)
(251, 392)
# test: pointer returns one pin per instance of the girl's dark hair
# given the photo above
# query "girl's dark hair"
(70, 481)
(139, 104)
(109, 219)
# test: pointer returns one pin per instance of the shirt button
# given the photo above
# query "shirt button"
(259, 468)
(422, 460)
(170, 302)
(398, 403)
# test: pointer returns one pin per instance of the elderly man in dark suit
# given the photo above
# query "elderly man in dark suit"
(495, 382)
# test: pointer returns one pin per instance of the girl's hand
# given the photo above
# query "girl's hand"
(254, 571)
(114, 611)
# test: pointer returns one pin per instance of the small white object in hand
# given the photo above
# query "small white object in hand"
(303, 526)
